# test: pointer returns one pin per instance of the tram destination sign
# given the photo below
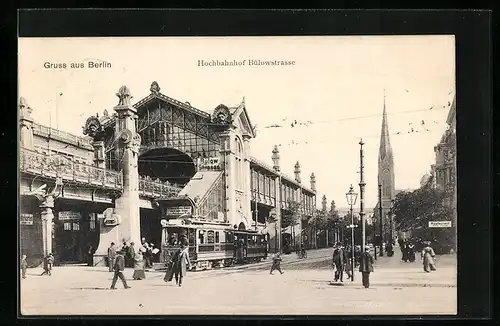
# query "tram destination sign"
(440, 224)
(179, 210)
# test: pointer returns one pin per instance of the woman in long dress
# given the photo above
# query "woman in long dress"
(428, 258)
(139, 273)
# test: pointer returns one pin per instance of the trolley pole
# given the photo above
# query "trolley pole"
(362, 196)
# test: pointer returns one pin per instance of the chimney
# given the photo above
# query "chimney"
(296, 171)
(276, 158)
(323, 203)
(313, 182)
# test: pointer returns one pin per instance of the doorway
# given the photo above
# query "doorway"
(76, 237)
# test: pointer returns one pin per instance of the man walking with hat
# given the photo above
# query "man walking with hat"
(118, 268)
(366, 266)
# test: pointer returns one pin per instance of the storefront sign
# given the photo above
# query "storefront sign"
(210, 163)
(440, 224)
(179, 210)
(69, 215)
(26, 219)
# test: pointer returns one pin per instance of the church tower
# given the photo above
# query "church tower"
(386, 170)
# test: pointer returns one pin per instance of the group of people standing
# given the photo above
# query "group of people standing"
(177, 265)
(342, 262)
(407, 250)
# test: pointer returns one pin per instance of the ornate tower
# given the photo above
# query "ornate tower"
(276, 158)
(386, 167)
(127, 206)
(296, 171)
(323, 203)
(313, 182)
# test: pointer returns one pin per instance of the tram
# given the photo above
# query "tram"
(213, 246)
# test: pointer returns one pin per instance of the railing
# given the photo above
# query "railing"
(45, 131)
(156, 188)
(54, 166)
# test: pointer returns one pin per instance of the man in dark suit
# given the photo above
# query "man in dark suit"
(339, 259)
(366, 266)
(111, 256)
(118, 268)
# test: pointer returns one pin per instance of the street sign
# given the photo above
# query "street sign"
(26, 219)
(440, 224)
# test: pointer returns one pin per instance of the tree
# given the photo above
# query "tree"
(333, 220)
(291, 217)
(316, 222)
(412, 211)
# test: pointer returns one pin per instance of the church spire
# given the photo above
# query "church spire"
(385, 149)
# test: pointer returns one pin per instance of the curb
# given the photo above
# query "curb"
(395, 285)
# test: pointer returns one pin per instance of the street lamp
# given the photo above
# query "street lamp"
(351, 201)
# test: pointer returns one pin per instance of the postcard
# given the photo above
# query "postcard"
(287, 175)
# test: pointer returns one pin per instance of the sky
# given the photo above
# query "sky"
(335, 92)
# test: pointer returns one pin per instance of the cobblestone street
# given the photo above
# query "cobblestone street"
(304, 288)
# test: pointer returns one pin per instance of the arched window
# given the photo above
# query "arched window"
(239, 164)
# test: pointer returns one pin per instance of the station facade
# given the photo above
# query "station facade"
(156, 161)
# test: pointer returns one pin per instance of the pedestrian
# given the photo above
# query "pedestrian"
(428, 257)
(411, 252)
(366, 266)
(48, 261)
(404, 251)
(90, 258)
(24, 266)
(118, 268)
(357, 255)
(111, 256)
(139, 273)
(338, 262)
(276, 263)
(131, 254)
(347, 262)
(171, 264)
(154, 254)
(389, 249)
(146, 251)
(183, 264)
(125, 249)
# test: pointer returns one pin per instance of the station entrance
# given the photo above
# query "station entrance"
(76, 232)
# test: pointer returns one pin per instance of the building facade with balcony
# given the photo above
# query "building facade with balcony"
(444, 171)
(157, 159)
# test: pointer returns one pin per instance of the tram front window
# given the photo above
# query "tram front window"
(174, 239)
